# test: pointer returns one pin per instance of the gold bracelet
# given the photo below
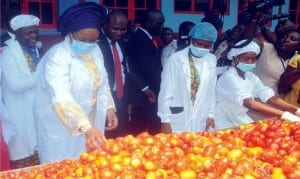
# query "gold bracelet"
(85, 128)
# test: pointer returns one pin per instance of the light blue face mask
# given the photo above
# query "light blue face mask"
(245, 66)
(198, 52)
(81, 47)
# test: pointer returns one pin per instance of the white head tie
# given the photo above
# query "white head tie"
(251, 47)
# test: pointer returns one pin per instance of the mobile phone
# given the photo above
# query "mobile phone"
(176, 110)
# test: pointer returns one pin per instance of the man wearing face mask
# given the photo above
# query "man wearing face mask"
(186, 101)
(238, 88)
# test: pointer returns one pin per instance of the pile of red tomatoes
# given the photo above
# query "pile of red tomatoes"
(268, 149)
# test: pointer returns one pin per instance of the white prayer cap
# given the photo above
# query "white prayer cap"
(23, 20)
(251, 47)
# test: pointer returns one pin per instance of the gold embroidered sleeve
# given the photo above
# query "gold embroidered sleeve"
(72, 116)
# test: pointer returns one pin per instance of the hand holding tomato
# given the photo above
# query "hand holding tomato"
(94, 138)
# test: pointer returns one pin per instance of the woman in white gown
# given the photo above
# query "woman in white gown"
(238, 88)
(73, 99)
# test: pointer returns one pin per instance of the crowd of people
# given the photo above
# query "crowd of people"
(103, 81)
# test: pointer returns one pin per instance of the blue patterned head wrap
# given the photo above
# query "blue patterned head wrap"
(81, 16)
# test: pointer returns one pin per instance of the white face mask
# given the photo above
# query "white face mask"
(197, 51)
(245, 66)
(82, 47)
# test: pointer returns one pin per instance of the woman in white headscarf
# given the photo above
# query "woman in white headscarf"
(238, 88)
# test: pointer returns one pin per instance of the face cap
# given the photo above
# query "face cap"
(23, 20)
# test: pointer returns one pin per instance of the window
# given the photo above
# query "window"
(131, 7)
(200, 6)
(117, 5)
(9, 9)
(44, 9)
(294, 11)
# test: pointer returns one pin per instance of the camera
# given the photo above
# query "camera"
(254, 7)
(260, 6)
(279, 16)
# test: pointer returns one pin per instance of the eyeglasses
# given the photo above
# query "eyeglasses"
(73, 35)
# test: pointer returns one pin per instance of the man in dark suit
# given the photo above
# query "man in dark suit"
(115, 62)
(144, 59)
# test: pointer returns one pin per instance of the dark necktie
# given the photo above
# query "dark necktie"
(118, 72)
